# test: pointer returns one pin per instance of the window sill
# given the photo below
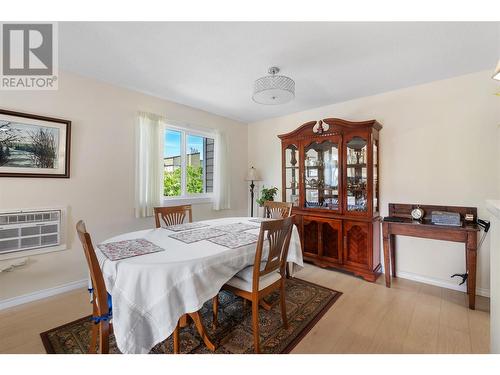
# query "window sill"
(177, 201)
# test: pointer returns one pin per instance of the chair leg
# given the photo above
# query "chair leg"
(176, 339)
(255, 321)
(93, 338)
(288, 270)
(283, 304)
(215, 308)
(95, 328)
(104, 337)
(266, 306)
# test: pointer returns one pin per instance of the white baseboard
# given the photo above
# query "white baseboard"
(41, 294)
(440, 282)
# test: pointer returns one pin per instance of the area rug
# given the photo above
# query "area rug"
(306, 303)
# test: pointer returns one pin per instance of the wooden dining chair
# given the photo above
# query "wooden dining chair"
(277, 210)
(173, 215)
(254, 283)
(101, 300)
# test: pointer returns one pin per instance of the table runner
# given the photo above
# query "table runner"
(151, 292)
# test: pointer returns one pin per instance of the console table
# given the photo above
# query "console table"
(466, 233)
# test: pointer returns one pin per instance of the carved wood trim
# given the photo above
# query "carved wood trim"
(337, 127)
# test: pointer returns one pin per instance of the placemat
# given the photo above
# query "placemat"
(235, 227)
(197, 235)
(234, 240)
(128, 248)
(260, 219)
(185, 226)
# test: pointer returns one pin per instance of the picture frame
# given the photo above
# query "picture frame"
(294, 198)
(34, 146)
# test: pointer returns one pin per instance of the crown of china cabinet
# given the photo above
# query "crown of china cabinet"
(330, 174)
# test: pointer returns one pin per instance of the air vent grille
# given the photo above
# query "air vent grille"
(20, 231)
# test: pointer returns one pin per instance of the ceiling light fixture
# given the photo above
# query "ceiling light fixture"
(273, 89)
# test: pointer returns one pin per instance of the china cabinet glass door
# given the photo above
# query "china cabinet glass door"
(321, 175)
(292, 174)
(356, 174)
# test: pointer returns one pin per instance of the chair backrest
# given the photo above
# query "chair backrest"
(278, 233)
(99, 287)
(173, 215)
(277, 210)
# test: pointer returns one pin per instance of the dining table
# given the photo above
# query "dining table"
(191, 263)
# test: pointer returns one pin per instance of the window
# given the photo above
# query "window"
(188, 160)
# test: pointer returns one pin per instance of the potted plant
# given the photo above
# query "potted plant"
(267, 194)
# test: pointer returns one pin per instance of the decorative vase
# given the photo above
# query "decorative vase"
(260, 211)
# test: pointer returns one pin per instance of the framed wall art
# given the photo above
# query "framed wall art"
(34, 146)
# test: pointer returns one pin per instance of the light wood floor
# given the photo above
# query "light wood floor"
(368, 318)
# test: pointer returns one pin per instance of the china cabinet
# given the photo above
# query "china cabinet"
(330, 174)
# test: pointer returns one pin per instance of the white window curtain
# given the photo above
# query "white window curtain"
(222, 198)
(149, 168)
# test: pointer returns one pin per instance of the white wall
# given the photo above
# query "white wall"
(494, 208)
(101, 187)
(438, 146)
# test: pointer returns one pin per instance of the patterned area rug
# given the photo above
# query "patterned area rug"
(306, 303)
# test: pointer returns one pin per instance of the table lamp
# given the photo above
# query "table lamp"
(252, 176)
(496, 75)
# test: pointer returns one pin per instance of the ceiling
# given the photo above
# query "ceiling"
(212, 66)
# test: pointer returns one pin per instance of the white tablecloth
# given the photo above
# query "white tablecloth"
(151, 292)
